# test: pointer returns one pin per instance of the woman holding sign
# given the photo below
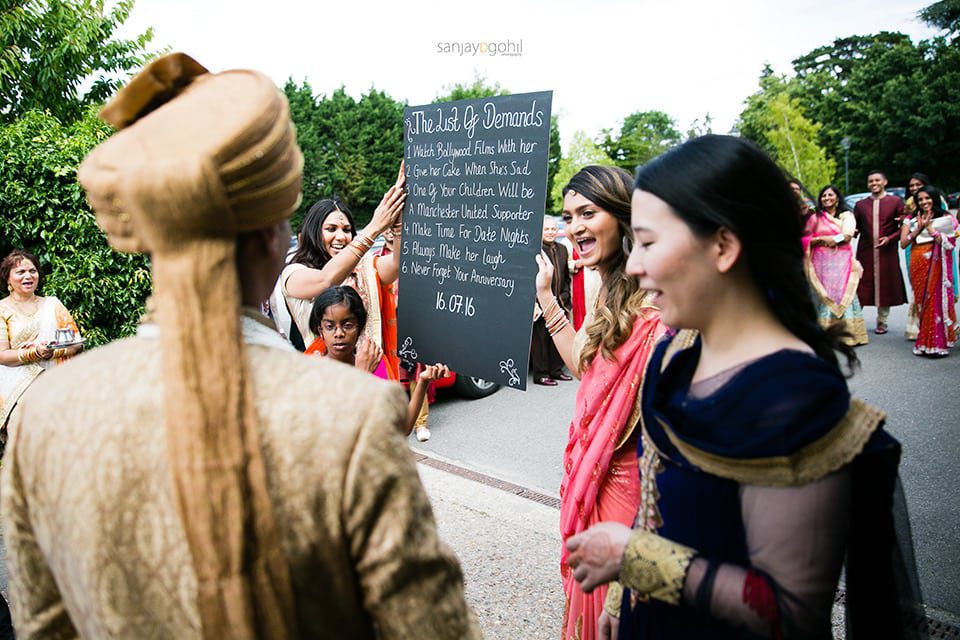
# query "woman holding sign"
(332, 253)
(609, 355)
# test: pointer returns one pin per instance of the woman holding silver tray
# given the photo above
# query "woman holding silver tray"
(36, 332)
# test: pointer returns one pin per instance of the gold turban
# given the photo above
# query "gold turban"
(199, 159)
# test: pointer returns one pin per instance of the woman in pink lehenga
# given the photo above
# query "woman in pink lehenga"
(832, 267)
(609, 354)
(931, 236)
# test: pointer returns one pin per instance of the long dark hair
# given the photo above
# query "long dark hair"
(610, 189)
(937, 198)
(922, 177)
(841, 203)
(715, 182)
(310, 250)
(333, 296)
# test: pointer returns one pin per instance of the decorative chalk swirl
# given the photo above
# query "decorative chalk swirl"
(406, 350)
(509, 367)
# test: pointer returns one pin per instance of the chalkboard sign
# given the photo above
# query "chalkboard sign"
(472, 226)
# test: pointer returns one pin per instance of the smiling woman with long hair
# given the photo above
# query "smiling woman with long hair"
(757, 467)
(931, 236)
(331, 253)
(608, 354)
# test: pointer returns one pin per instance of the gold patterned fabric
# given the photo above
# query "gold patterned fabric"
(19, 329)
(614, 597)
(829, 453)
(655, 567)
(95, 544)
(200, 159)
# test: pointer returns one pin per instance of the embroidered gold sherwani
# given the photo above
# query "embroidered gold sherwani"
(95, 547)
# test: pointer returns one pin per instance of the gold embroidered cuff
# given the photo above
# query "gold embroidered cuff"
(614, 597)
(655, 567)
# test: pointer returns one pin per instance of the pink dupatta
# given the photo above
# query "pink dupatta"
(607, 403)
(600, 480)
(832, 271)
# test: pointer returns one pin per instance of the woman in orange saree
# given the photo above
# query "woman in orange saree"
(931, 236)
(609, 354)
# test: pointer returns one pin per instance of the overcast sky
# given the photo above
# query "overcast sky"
(602, 59)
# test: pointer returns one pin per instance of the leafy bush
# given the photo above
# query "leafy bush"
(45, 211)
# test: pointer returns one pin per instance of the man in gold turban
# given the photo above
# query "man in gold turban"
(202, 479)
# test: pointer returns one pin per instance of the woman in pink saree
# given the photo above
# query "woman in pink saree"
(931, 236)
(609, 354)
(831, 265)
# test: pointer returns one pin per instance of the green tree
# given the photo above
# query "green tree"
(45, 212)
(793, 139)
(943, 15)
(51, 49)
(479, 88)
(352, 148)
(752, 123)
(898, 102)
(700, 127)
(776, 122)
(643, 136)
(581, 152)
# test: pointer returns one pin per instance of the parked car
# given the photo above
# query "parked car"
(953, 200)
(467, 386)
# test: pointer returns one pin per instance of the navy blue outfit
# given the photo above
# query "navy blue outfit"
(772, 407)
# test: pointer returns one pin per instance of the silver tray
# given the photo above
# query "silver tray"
(64, 345)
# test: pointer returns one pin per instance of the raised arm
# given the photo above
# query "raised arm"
(388, 266)
(560, 329)
(309, 283)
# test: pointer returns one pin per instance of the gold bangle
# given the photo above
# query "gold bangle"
(22, 355)
(58, 354)
(357, 252)
(364, 240)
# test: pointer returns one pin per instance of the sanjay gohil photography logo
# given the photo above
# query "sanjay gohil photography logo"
(481, 48)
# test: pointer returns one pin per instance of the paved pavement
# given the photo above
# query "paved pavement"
(509, 549)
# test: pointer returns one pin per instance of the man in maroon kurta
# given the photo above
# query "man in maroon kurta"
(878, 220)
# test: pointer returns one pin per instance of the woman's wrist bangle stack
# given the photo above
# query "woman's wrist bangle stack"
(550, 308)
(563, 325)
(58, 354)
(360, 245)
(26, 356)
(558, 322)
